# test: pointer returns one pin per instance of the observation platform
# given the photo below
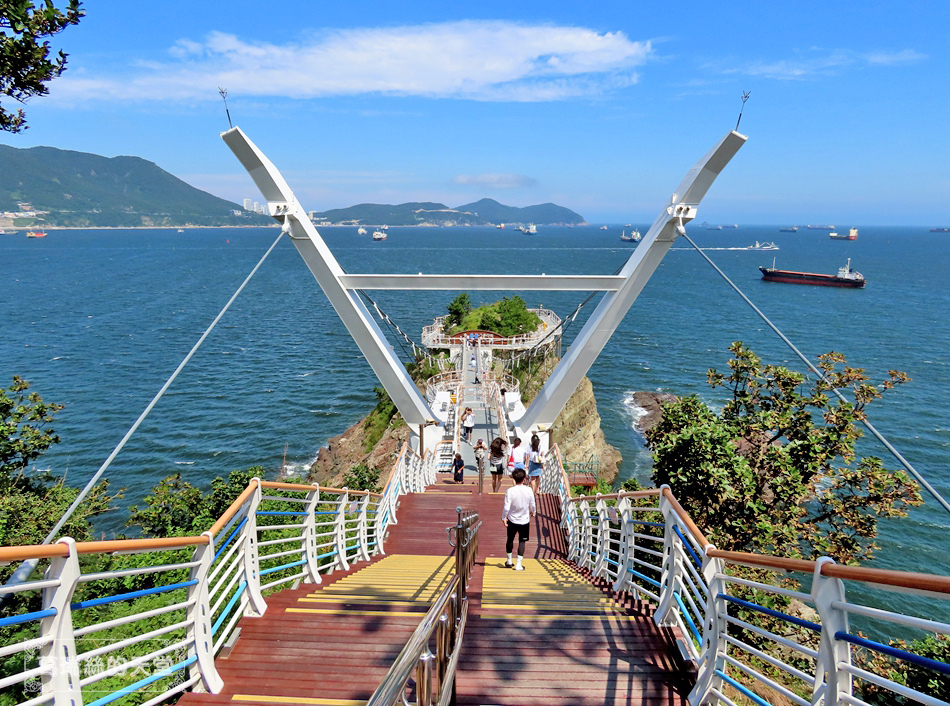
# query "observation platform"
(547, 635)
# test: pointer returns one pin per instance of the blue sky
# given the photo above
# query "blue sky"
(597, 106)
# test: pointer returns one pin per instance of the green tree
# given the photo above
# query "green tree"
(510, 317)
(24, 428)
(764, 475)
(458, 308)
(25, 62)
(362, 477)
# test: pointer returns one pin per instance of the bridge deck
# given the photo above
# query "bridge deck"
(547, 635)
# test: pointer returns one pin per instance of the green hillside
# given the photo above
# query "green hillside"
(491, 211)
(81, 189)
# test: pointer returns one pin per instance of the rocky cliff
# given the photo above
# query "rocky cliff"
(578, 434)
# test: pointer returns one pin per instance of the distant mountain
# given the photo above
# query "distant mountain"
(480, 213)
(81, 189)
(543, 214)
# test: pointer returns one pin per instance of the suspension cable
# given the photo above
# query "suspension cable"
(26, 568)
(385, 318)
(870, 427)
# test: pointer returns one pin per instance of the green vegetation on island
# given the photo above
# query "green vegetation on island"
(508, 317)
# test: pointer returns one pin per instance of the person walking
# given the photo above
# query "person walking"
(535, 465)
(468, 424)
(498, 460)
(520, 507)
(458, 469)
(518, 453)
(480, 450)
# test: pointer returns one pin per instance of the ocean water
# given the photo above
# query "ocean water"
(97, 321)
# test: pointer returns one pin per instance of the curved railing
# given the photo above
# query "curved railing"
(434, 336)
(144, 618)
(645, 543)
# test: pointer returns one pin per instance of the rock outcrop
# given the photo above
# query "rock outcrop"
(653, 403)
(345, 451)
(578, 434)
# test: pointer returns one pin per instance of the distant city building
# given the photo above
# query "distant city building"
(257, 207)
(248, 203)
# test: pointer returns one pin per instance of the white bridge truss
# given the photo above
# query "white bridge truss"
(620, 290)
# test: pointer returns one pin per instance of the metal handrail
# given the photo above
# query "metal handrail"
(446, 619)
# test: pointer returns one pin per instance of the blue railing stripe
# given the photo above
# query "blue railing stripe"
(125, 691)
(644, 577)
(774, 613)
(291, 565)
(646, 524)
(330, 512)
(133, 594)
(611, 561)
(686, 545)
(688, 618)
(27, 617)
(272, 513)
(230, 539)
(323, 556)
(741, 687)
(941, 667)
(228, 607)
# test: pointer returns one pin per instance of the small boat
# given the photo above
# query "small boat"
(788, 229)
(603, 227)
(940, 230)
(384, 227)
(35, 234)
(532, 229)
(731, 225)
(181, 230)
(846, 277)
(852, 235)
(361, 231)
(500, 226)
(379, 235)
(762, 246)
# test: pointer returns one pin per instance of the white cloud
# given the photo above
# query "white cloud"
(496, 181)
(478, 60)
(824, 63)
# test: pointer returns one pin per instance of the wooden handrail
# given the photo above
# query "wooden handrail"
(764, 560)
(287, 486)
(888, 577)
(48, 551)
(235, 506)
(621, 494)
(684, 516)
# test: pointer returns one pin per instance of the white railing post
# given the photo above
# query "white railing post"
(199, 619)
(831, 683)
(59, 657)
(309, 541)
(339, 530)
(256, 606)
(628, 543)
(586, 538)
(361, 533)
(672, 555)
(603, 531)
(713, 655)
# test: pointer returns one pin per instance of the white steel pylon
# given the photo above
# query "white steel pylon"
(621, 290)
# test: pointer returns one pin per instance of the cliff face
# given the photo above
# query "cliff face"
(345, 451)
(578, 434)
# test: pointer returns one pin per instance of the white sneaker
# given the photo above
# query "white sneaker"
(508, 564)
(519, 567)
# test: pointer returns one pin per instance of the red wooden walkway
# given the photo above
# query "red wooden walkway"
(547, 635)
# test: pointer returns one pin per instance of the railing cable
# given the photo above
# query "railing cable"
(26, 568)
(870, 427)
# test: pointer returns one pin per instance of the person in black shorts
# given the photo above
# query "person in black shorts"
(520, 507)
(497, 462)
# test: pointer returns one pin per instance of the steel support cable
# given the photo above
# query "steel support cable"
(870, 427)
(26, 568)
(385, 318)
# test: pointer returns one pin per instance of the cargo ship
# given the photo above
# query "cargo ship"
(846, 277)
(852, 235)
(811, 227)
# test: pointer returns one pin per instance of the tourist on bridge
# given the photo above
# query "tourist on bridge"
(480, 450)
(535, 464)
(468, 423)
(498, 461)
(519, 454)
(458, 469)
(520, 507)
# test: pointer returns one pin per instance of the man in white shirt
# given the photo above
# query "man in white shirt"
(520, 507)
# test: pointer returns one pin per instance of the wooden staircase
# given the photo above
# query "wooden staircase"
(546, 635)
